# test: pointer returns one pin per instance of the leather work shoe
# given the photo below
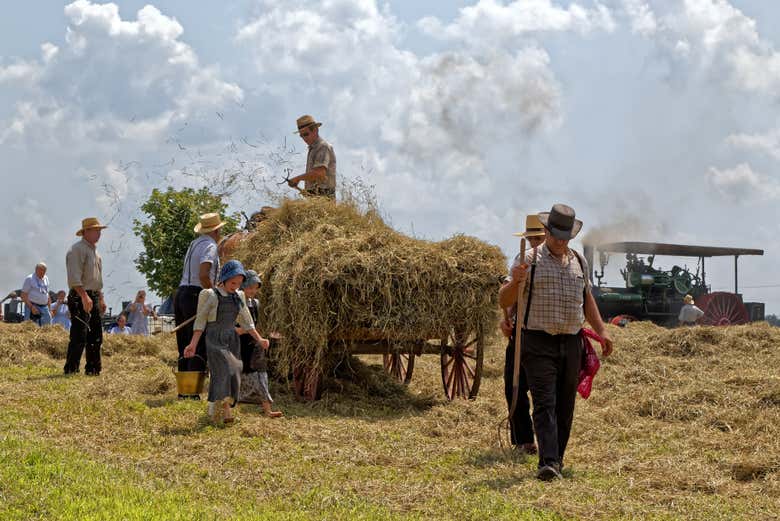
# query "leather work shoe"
(549, 472)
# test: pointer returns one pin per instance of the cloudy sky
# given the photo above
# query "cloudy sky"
(654, 119)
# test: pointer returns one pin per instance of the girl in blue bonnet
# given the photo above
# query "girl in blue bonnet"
(218, 311)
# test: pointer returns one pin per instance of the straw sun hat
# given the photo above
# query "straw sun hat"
(88, 224)
(208, 223)
(533, 227)
(306, 121)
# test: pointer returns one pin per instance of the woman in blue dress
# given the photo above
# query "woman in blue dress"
(59, 311)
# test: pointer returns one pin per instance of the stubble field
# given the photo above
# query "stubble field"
(682, 424)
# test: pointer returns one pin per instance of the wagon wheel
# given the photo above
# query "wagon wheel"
(306, 381)
(723, 309)
(399, 365)
(622, 320)
(462, 351)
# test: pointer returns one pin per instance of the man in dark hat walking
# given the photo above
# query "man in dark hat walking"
(320, 176)
(557, 300)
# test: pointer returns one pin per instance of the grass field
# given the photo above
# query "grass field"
(682, 424)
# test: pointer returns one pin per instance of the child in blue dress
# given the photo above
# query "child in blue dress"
(218, 311)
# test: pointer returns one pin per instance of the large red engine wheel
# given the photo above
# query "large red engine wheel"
(722, 309)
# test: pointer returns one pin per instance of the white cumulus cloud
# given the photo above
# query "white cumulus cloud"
(490, 21)
(741, 184)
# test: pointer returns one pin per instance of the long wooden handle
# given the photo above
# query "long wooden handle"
(189, 320)
(516, 366)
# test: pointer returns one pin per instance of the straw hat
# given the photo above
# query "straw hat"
(560, 222)
(688, 299)
(88, 224)
(306, 121)
(208, 223)
(533, 227)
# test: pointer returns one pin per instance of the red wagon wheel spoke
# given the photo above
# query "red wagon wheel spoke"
(399, 365)
(461, 362)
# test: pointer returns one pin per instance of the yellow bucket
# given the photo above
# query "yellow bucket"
(190, 383)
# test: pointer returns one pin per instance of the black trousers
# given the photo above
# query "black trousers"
(552, 364)
(86, 333)
(521, 428)
(185, 305)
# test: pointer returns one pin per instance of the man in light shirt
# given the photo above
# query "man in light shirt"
(85, 299)
(320, 176)
(201, 266)
(689, 313)
(35, 294)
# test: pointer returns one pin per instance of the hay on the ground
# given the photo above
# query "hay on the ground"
(334, 270)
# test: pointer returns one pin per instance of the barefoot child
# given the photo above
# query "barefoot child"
(218, 310)
(254, 379)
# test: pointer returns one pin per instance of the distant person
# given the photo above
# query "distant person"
(689, 313)
(137, 313)
(520, 425)
(121, 327)
(59, 311)
(35, 294)
(85, 299)
(200, 271)
(559, 301)
(320, 176)
(254, 376)
(217, 313)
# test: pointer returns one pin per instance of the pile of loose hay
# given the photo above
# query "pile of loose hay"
(26, 343)
(709, 397)
(331, 269)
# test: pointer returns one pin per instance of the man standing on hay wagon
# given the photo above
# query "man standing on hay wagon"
(520, 427)
(201, 267)
(556, 301)
(85, 299)
(320, 176)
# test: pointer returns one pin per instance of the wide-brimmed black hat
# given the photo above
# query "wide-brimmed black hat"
(560, 222)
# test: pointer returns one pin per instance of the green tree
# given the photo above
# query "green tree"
(168, 230)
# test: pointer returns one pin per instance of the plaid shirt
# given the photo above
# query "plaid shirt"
(556, 302)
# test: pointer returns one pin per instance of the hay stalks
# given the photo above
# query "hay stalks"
(332, 269)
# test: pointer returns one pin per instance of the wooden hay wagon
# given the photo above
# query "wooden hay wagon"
(461, 351)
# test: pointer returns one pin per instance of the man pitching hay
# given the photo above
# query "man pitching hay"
(320, 176)
(557, 300)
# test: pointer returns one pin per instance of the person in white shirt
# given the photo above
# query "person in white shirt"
(201, 267)
(35, 294)
(121, 326)
(689, 313)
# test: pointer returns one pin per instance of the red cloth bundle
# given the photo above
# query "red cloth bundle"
(590, 362)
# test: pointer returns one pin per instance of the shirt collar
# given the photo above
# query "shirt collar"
(546, 250)
(208, 238)
(317, 142)
(85, 241)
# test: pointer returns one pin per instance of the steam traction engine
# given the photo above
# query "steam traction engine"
(652, 293)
